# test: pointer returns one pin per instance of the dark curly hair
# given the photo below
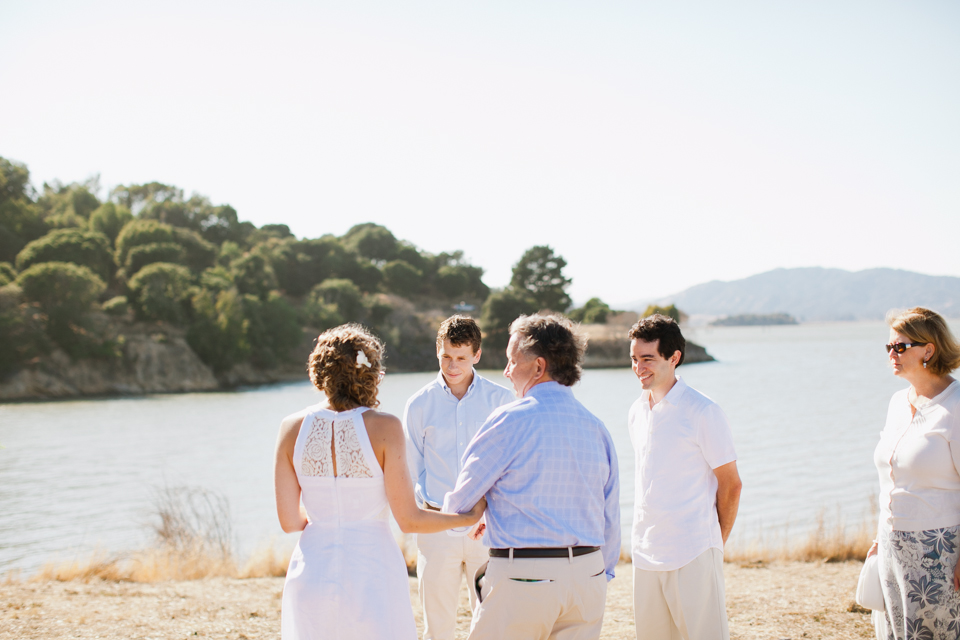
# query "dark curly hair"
(555, 339)
(460, 330)
(662, 328)
(333, 367)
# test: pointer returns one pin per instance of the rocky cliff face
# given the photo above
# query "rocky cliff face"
(158, 363)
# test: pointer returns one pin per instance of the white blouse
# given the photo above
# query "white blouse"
(918, 459)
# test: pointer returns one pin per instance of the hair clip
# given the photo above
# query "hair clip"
(362, 359)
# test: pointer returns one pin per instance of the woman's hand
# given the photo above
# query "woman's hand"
(477, 510)
(873, 550)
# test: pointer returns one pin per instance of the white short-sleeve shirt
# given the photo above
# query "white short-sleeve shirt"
(677, 444)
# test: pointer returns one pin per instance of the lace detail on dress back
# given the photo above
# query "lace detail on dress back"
(318, 454)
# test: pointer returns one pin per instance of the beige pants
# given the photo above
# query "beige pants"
(441, 561)
(684, 604)
(540, 598)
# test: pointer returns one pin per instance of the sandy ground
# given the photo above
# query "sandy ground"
(775, 601)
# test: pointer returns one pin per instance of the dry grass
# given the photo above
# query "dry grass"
(836, 543)
(193, 540)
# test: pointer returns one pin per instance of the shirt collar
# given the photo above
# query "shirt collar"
(673, 396)
(543, 388)
(443, 382)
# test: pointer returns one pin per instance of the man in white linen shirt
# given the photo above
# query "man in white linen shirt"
(687, 493)
(439, 422)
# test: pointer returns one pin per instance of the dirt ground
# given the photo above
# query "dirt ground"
(770, 601)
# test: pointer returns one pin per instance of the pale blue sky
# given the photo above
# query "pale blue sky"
(654, 145)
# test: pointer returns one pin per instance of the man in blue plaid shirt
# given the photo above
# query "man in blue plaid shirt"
(549, 471)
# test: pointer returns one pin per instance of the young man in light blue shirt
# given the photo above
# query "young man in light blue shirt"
(439, 422)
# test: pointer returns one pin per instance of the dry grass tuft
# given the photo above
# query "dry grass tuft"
(836, 543)
(265, 562)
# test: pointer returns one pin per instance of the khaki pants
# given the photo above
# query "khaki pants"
(684, 604)
(540, 598)
(441, 561)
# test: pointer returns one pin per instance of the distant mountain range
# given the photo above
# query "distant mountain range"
(815, 293)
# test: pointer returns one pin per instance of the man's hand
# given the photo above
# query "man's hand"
(477, 531)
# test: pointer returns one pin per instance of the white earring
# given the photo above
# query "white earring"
(924, 364)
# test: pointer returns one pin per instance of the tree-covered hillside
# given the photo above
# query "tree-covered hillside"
(77, 271)
(80, 275)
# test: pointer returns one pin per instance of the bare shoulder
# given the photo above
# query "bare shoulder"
(383, 427)
(290, 427)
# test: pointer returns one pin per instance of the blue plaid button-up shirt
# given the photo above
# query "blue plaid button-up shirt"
(549, 471)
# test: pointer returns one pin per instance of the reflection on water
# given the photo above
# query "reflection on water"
(806, 404)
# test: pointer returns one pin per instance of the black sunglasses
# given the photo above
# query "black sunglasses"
(900, 347)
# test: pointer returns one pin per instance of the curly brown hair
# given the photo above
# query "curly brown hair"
(334, 369)
(929, 327)
(555, 339)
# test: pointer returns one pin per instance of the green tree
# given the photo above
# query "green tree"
(274, 328)
(90, 249)
(160, 291)
(144, 254)
(65, 292)
(69, 205)
(401, 278)
(594, 311)
(20, 220)
(671, 311)
(218, 333)
(500, 309)
(109, 219)
(23, 331)
(372, 241)
(253, 275)
(200, 254)
(343, 294)
(539, 272)
(7, 273)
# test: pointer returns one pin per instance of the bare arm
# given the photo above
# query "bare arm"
(285, 484)
(386, 436)
(728, 496)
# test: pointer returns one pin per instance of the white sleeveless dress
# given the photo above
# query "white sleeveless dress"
(347, 578)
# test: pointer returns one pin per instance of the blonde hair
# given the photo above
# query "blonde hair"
(923, 325)
(334, 369)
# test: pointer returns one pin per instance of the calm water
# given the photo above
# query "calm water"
(806, 404)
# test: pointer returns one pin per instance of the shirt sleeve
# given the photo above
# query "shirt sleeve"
(611, 513)
(484, 461)
(715, 438)
(413, 434)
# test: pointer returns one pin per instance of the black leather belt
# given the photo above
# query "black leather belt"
(543, 552)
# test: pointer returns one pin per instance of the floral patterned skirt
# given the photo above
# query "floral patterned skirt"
(916, 576)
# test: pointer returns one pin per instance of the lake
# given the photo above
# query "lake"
(806, 404)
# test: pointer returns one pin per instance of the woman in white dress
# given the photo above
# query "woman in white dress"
(346, 464)
(918, 459)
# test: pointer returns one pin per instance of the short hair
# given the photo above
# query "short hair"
(555, 339)
(923, 325)
(334, 369)
(460, 330)
(662, 328)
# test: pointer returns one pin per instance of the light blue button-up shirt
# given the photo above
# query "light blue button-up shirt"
(438, 428)
(549, 471)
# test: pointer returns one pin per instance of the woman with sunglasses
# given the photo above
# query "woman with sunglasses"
(918, 458)
(339, 466)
